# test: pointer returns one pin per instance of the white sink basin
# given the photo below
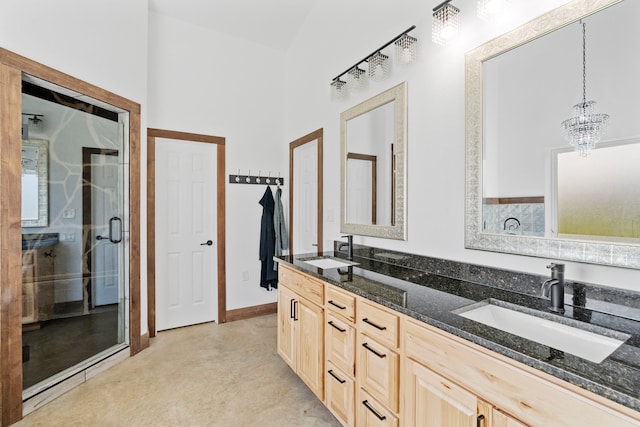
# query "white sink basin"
(328, 262)
(588, 345)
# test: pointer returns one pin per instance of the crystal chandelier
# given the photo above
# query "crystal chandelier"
(446, 20)
(584, 129)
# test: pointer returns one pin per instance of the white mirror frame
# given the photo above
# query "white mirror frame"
(398, 231)
(594, 252)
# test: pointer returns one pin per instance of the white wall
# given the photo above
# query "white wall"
(209, 83)
(337, 36)
(103, 42)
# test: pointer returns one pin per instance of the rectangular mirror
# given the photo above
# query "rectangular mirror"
(35, 183)
(373, 166)
(528, 191)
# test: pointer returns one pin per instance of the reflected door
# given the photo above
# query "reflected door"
(106, 216)
(305, 198)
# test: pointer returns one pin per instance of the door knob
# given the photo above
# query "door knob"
(207, 243)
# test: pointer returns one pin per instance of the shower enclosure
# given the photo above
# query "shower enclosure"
(74, 233)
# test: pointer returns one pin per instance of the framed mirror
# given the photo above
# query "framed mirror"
(35, 183)
(373, 155)
(519, 89)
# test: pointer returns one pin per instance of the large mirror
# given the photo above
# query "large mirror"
(528, 191)
(35, 183)
(373, 142)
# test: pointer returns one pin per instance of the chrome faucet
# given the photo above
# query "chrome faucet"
(349, 246)
(554, 287)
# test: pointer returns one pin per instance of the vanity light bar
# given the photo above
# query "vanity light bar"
(338, 84)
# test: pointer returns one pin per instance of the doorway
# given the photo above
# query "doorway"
(192, 171)
(305, 193)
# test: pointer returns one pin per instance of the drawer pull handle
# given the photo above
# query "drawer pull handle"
(337, 327)
(479, 420)
(291, 308)
(380, 328)
(340, 380)
(376, 413)
(295, 310)
(341, 307)
(380, 355)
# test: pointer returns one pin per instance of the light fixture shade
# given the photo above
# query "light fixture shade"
(379, 66)
(406, 49)
(487, 9)
(357, 78)
(585, 128)
(339, 89)
(446, 20)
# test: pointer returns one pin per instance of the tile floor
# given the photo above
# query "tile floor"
(205, 375)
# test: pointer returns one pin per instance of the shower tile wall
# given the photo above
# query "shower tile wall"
(499, 218)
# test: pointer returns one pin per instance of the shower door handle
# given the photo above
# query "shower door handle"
(115, 221)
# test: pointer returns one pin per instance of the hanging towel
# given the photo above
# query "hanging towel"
(282, 238)
(268, 276)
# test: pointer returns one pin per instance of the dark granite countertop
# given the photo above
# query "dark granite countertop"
(431, 298)
(38, 241)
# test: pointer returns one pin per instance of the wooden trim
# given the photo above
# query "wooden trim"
(512, 200)
(151, 236)
(152, 134)
(310, 137)
(222, 236)
(135, 302)
(144, 340)
(11, 68)
(10, 247)
(254, 311)
(374, 181)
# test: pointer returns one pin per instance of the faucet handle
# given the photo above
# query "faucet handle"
(556, 266)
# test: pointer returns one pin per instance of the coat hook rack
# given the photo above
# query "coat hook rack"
(255, 179)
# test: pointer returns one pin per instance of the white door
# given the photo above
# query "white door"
(359, 192)
(107, 220)
(186, 226)
(305, 198)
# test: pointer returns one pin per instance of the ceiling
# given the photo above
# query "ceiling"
(273, 23)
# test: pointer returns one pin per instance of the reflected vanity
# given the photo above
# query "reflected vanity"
(526, 189)
(373, 166)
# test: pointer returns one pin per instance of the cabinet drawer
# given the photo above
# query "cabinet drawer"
(378, 371)
(303, 285)
(340, 392)
(378, 323)
(341, 302)
(340, 343)
(370, 413)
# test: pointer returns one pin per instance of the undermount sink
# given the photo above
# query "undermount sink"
(593, 346)
(326, 262)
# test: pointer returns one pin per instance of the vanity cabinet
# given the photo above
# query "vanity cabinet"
(301, 326)
(340, 342)
(378, 363)
(518, 395)
(37, 284)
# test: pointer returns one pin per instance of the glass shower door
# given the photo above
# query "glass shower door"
(73, 257)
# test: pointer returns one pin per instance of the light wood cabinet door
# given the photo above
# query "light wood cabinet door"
(378, 371)
(433, 401)
(501, 419)
(309, 321)
(340, 343)
(340, 395)
(286, 330)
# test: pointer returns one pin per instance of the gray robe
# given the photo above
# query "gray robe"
(282, 238)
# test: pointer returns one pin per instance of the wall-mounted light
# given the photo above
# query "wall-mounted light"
(378, 65)
(487, 9)
(445, 24)
(338, 88)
